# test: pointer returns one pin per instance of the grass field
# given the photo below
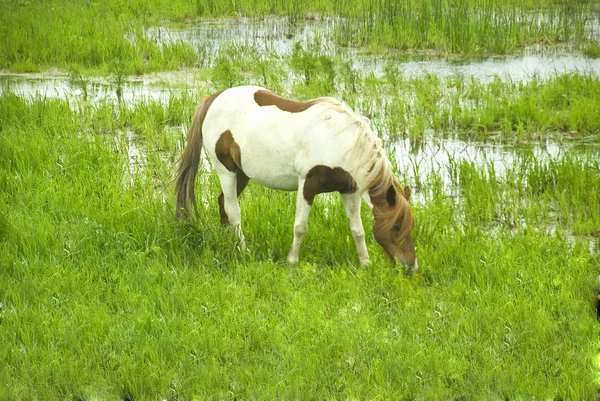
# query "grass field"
(104, 295)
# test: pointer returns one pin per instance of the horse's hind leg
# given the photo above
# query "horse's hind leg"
(232, 185)
(352, 206)
(242, 180)
(300, 224)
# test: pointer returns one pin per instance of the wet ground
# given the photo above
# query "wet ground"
(513, 69)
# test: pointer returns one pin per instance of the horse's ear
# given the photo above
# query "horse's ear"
(391, 195)
(407, 193)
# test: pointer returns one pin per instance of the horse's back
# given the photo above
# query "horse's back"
(279, 140)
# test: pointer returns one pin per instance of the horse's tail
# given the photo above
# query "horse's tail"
(188, 166)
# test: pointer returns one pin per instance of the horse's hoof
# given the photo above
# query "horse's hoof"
(292, 260)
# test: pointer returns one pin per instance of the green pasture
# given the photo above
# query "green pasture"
(104, 295)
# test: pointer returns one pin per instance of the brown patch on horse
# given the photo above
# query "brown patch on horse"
(228, 152)
(188, 166)
(322, 179)
(265, 98)
(242, 181)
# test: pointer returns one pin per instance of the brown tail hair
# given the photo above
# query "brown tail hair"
(190, 159)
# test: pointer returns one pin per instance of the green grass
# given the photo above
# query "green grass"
(92, 35)
(104, 295)
(592, 50)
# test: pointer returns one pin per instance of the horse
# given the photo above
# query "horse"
(312, 147)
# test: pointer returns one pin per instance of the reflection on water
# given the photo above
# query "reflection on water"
(510, 68)
(147, 87)
(97, 89)
(436, 156)
(269, 34)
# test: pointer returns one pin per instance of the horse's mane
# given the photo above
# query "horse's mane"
(367, 154)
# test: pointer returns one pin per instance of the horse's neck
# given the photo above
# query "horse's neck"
(367, 161)
(370, 197)
(378, 192)
(374, 176)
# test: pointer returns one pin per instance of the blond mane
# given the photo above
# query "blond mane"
(366, 156)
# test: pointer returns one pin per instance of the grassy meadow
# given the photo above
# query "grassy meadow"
(104, 295)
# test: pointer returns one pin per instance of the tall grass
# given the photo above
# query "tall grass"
(105, 295)
(464, 27)
(88, 36)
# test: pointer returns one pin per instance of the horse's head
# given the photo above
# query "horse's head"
(393, 226)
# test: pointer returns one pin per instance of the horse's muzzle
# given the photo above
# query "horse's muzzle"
(412, 268)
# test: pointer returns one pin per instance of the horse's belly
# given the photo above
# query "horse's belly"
(277, 181)
(271, 171)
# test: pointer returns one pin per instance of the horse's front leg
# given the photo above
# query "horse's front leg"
(352, 206)
(300, 223)
(229, 206)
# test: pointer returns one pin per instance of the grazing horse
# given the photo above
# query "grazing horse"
(313, 147)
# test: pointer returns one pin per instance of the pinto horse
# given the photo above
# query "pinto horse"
(313, 147)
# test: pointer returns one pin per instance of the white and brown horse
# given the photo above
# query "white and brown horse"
(313, 147)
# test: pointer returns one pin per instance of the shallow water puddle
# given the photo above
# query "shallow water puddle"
(157, 86)
(435, 156)
(514, 69)
(58, 85)
(268, 34)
